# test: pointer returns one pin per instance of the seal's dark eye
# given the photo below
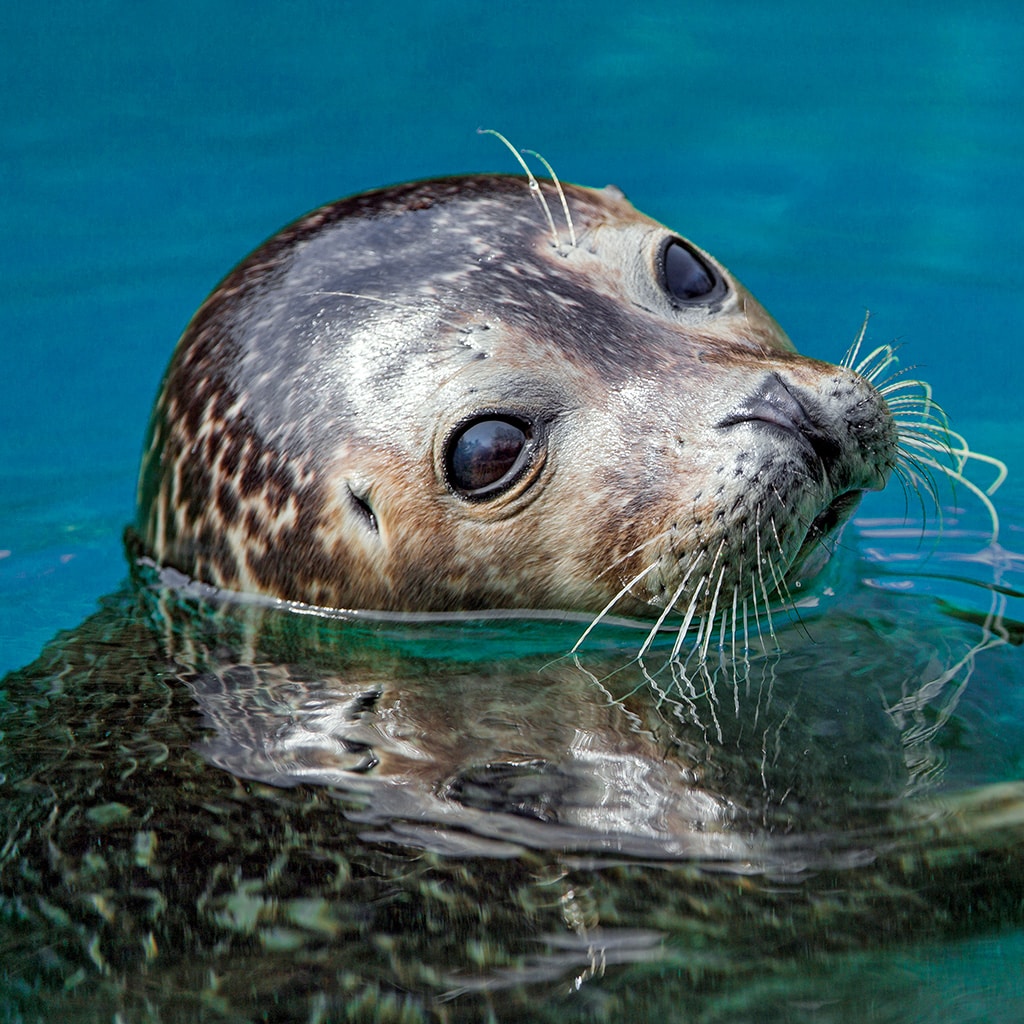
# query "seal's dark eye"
(686, 276)
(486, 456)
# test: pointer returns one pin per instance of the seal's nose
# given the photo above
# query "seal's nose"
(777, 406)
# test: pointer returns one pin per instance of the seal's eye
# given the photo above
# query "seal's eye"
(686, 276)
(487, 456)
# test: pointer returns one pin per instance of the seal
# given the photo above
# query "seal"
(428, 398)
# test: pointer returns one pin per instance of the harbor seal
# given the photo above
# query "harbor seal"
(429, 397)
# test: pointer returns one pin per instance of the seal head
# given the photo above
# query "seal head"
(420, 399)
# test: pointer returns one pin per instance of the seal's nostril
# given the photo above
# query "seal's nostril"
(774, 404)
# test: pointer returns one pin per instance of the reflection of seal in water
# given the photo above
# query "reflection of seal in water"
(421, 399)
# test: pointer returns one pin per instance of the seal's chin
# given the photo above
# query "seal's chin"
(815, 551)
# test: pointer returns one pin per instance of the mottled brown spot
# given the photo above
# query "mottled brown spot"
(227, 502)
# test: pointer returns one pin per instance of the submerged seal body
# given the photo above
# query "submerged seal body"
(420, 398)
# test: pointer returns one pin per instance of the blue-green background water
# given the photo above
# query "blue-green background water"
(837, 159)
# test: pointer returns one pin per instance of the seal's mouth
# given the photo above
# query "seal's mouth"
(814, 552)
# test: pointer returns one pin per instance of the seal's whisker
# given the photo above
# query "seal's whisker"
(779, 574)
(755, 608)
(687, 619)
(919, 475)
(668, 609)
(761, 559)
(933, 434)
(898, 384)
(733, 664)
(635, 551)
(561, 195)
(911, 448)
(710, 617)
(909, 422)
(954, 446)
(900, 380)
(1002, 470)
(928, 447)
(735, 599)
(885, 374)
(701, 641)
(851, 353)
(707, 622)
(782, 586)
(903, 389)
(958, 477)
(611, 604)
(876, 362)
(772, 565)
(909, 411)
(905, 478)
(534, 184)
(908, 418)
(746, 625)
(923, 484)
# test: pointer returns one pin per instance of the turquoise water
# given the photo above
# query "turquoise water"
(835, 160)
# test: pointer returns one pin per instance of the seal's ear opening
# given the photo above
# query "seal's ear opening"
(687, 276)
(487, 455)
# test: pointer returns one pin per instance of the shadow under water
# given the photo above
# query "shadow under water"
(218, 811)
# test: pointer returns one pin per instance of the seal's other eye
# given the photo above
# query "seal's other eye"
(686, 276)
(487, 456)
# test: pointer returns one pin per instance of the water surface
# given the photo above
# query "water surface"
(837, 162)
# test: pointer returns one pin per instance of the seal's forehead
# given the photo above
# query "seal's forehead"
(449, 218)
(466, 246)
(417, 271)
